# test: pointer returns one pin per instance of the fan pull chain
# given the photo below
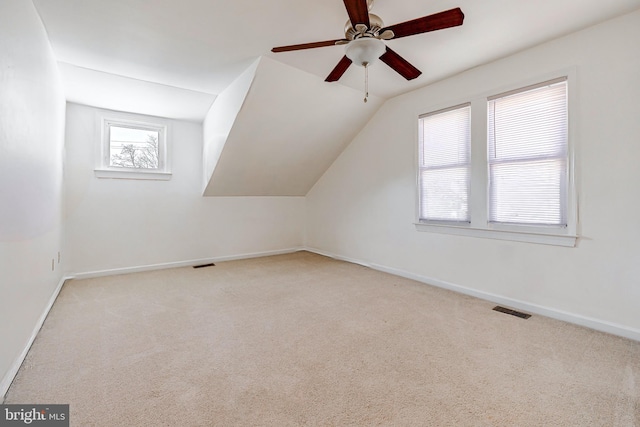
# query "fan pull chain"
(366, 81)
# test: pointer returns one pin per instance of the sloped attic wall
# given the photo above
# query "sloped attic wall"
(289, 129)
(221, 117)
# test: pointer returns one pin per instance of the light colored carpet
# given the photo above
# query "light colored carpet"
(301, 339)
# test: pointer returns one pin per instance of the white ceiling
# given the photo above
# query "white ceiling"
(202, 45)
(111, 91)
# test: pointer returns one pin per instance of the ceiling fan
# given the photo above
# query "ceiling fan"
(365, 31)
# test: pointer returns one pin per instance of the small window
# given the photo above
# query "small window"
(444, 162)
(527, 155)
(133, 149)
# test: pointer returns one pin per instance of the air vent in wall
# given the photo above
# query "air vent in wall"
(511, 312)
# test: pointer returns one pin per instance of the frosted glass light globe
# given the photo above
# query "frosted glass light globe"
(365, 50)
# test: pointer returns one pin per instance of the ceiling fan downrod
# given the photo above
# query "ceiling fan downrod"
(366, 81)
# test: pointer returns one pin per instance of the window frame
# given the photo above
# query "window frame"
(103, 167)
(421, 168)
(492, 162)
(480, 226)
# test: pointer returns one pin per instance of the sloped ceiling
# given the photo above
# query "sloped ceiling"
(173, 58)
(289, 130)
(203, 45)
(120, 93)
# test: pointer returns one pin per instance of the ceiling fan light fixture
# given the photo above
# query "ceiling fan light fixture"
(364, 32)
(365, 51)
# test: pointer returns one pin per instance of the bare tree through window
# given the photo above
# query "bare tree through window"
(134, 148)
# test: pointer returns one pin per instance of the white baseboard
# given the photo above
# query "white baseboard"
(338, 257)
(13, 370)
(186, 263)
(596, 324)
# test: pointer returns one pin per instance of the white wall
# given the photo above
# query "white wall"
(115, 224)
(364, 206)
(31, 149)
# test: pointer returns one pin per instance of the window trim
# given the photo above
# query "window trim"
(103, 167)
(479, 190)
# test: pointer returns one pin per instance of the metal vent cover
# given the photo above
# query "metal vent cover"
(204, 265)
(511, 312)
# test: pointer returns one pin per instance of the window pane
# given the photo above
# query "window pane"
(444, 194)
(529, 124)
(133, 148)
(445, 138)
(528, 192)
(527, 154)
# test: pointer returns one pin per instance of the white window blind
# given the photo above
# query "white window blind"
(445, 153)
(527, 155)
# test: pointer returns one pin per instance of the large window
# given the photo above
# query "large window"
(527, 155)
(500, 166)
(445, 154)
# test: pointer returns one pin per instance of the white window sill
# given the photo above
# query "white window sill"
(486, 233)
(132, 174)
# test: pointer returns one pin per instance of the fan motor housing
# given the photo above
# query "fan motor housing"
(376, 24)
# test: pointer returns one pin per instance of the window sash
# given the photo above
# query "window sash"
(527, 154)
(444, 164)
(538, 199)
(453, 182)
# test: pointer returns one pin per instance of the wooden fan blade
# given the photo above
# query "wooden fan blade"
(337, 72)
(358, 12)
(400, 65)
(438, 21)
(305, 46)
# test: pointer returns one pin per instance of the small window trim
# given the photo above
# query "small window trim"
(479, 192)
(103, 168)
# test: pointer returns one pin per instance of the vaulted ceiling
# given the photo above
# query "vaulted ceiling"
(172, 58)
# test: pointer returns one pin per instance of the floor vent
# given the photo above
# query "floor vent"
(511, 312)
(204, 265)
